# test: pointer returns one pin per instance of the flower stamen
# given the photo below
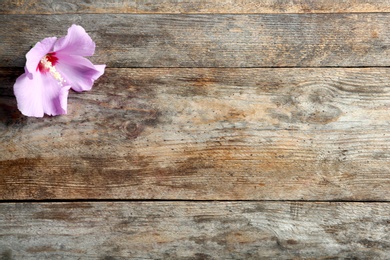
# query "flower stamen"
(46, 65)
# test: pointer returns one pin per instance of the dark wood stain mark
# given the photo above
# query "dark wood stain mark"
(199, 85)
(41, 249)
(201, 82)
(54, 215)
(6, 255)
(292, 242)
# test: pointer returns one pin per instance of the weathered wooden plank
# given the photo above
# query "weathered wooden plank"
(289, 134)
(292, 40)
(192, 230)
(193, 6)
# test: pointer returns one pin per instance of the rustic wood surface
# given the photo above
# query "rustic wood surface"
(194, 230)
(221, 129)
(305, 134)
(192, 6)
(156, 40)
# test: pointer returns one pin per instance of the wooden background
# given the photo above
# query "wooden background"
(221, 130)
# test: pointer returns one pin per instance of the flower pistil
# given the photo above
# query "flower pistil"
(47, 64)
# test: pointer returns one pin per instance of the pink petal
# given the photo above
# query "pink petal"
(41, 94)
(35, 55)
(78, 71)
(76, 42)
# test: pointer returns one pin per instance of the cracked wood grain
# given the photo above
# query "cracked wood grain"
(194, 230)
(193, 6)
(205, 134)
(272, 40)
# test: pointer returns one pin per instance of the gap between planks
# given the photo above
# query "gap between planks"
(48, 201)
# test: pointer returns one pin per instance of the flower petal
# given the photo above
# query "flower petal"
(78, 71)
(41, 94)
(76, 42)
(35, 55)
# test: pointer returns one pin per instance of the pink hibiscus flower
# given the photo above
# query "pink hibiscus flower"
(52, 68)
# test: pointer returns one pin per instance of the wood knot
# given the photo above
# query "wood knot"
(311, 103)
(131, 129)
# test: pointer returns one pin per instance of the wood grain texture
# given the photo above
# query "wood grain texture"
(194, 6)
(205, 106)
(292, 40)
(188, 230)
(231, 134)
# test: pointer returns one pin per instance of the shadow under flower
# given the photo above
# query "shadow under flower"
(9, 113)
